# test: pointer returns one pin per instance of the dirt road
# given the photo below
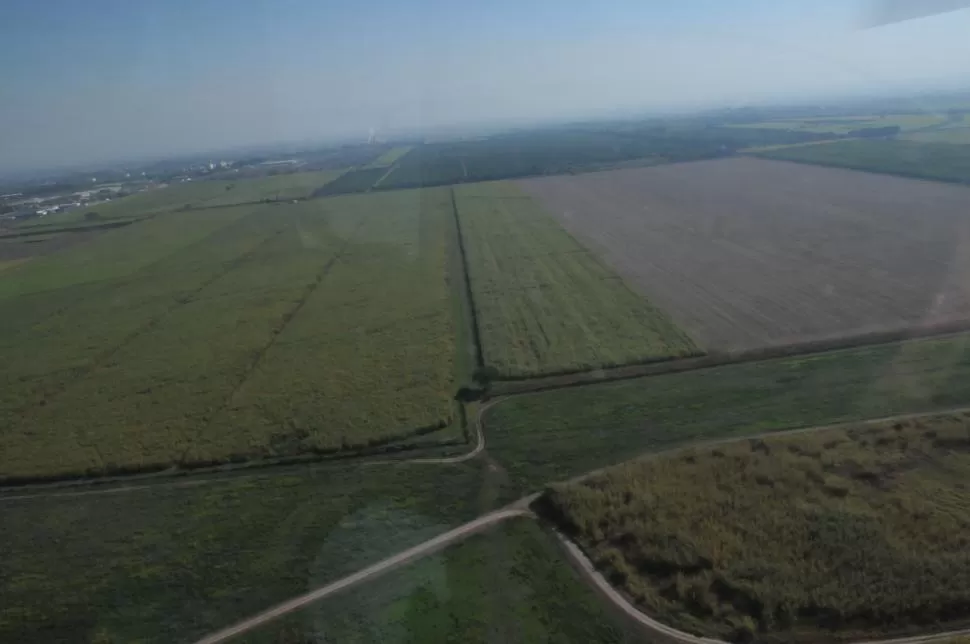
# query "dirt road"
(654, 628)
(664, 633)
(518, 509)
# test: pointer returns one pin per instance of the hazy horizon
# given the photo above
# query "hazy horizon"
(102, 81)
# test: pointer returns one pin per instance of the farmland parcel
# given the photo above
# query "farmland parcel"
(544, 303)
(556, 435)
(745, 253)
(261, 331)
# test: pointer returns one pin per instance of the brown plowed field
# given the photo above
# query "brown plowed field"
(745, 253)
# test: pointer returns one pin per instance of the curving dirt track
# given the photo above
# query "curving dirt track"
(520, 508)
(517, 509)
(665, 633)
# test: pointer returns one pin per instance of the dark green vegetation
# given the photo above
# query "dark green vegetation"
(855, 125)
(560, 434)
(831, 535)
(352, 181)
(511, 584)
(938, 161)
(556, 151)
(172, 564)
(543, 302)
(256, 332)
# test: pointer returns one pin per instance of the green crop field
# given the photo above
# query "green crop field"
(544, 303)
(359, 180)
(560, 434)
(511, 584)
(169, 564)
(955, 131)
(277, 330)
(390, 157)
(826, 536)
(938, 161)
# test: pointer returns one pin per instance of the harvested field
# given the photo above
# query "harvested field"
(545, 304)
(743, 253)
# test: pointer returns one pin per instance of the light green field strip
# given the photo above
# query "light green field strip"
(390, 157)
(843, 125)
(544, 303)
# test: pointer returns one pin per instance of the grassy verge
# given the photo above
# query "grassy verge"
(170, 564)
(828, 536)
(560, 434)
(510, 584)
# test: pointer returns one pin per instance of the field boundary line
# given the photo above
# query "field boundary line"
(448, 460)
(701, 443)
(259, 469)
(377, 183)
(232, 473)
(666, 366)
(473, 306)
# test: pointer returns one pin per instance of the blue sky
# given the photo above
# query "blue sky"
(99, 80)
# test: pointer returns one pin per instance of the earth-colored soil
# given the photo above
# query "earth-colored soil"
(744, 252)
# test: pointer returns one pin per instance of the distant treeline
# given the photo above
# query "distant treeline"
(874, 132)
(561, 151)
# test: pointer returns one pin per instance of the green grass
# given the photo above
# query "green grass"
(544, 303)
(511, 584)
(560, 434)
(938, 161)
(845, 124)
(834, 535)
(171, 564)
(390, 157)
(294, 329)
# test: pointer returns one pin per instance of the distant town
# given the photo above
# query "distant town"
(43, 198)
